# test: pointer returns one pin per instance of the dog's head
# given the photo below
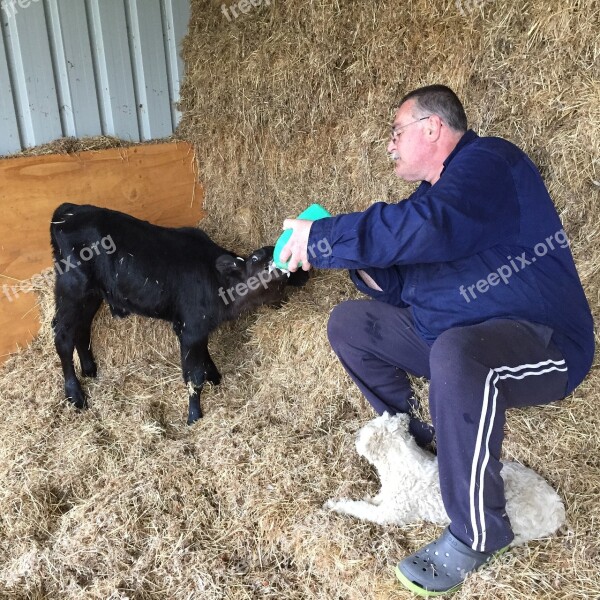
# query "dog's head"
(386, 438)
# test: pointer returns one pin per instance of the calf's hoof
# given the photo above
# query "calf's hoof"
(192, 419)
(79, 402)
(214, 378)
(77, 398)
(194, 413)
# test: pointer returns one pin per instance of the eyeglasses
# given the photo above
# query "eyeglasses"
(396, 131)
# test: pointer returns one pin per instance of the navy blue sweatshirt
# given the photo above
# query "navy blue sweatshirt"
(483, 242)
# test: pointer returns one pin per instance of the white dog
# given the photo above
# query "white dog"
(410, 488)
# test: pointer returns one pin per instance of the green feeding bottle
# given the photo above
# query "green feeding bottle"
(313, 213)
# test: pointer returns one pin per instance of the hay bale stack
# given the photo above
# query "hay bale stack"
(71, 145)
(287, 105)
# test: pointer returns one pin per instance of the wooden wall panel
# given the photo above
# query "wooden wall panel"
(19, 323)
(155, 182)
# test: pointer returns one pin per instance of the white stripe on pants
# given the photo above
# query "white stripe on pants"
(485, 430)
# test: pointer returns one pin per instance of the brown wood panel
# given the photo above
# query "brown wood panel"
(19, 322)
(156, 182)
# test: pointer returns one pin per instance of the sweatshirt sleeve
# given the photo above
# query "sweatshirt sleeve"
(472, 207)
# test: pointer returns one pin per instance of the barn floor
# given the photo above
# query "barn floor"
(126, 501)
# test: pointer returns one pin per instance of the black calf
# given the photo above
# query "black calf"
(179, 275)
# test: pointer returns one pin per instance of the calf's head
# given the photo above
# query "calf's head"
(249, 282)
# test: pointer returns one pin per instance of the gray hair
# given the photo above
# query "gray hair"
(441, 101)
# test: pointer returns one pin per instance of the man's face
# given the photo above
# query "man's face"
(409, 147)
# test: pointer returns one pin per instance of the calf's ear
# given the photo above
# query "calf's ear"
(227, 264)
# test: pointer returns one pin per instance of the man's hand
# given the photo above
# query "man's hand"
(296, 248)
(369, 280)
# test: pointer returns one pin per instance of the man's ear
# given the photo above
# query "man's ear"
(227, 264)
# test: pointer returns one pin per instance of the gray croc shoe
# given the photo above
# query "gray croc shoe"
(441, 567)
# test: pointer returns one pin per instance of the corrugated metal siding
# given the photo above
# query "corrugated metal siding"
(90, 67)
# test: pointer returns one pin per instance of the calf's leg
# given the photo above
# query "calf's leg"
(88, 309)
(197, 367)
(65, 325)
(212, 373)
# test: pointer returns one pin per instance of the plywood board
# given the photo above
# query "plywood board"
(19, 322)
(156, 183)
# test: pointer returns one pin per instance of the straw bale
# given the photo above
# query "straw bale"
(287, 105)
(72, 145)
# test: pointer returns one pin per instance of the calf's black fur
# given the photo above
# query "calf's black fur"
(179, 275)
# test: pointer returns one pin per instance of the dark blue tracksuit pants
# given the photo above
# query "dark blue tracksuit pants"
(475, 374)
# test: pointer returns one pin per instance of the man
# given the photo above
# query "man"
(475, 288)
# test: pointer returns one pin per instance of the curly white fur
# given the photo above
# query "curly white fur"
(410, 488)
